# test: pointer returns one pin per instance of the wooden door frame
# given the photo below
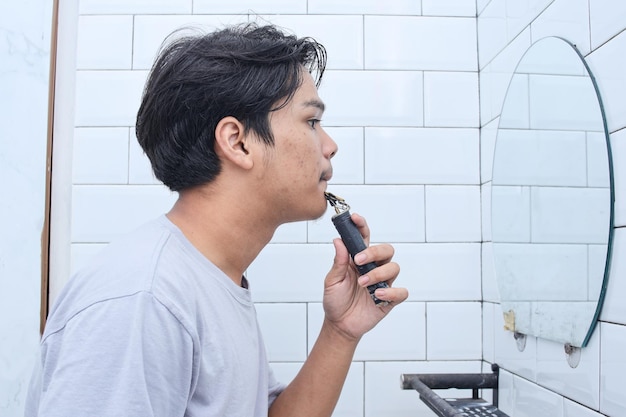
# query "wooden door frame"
(45, 235)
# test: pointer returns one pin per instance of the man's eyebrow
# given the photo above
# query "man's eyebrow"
(314, 103)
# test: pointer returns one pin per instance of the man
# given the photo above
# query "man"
(162, 322)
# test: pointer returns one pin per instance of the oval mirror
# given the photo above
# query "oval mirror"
(552, 197)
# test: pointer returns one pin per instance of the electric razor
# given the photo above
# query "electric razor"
(353, 240)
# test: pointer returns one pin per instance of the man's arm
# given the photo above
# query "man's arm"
(316, 388)
(349, 314)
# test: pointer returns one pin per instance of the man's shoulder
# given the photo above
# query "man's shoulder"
(128, 260)
(124, 267)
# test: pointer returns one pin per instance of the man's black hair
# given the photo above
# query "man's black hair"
(244, 71)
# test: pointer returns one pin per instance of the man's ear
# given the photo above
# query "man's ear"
(231, 143)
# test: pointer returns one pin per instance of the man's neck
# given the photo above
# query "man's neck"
(226, 233)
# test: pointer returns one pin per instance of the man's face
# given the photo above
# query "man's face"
(298, 166)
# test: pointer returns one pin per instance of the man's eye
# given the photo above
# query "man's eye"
(313, 123)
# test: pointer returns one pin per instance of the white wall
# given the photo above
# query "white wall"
(538, 382)
(25, 29)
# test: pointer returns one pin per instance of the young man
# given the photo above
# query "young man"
(162, 323)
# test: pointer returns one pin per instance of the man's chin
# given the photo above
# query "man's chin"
(312, 215)
(319, 212)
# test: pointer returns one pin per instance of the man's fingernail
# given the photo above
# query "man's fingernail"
(363, 280)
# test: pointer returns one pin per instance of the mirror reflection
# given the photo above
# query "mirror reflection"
(552, 197)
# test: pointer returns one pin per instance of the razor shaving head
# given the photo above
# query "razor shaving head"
(338, 203)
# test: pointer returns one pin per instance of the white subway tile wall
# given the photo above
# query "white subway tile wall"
(607, 20)
(400, 337)
(104, 42)
(567, 19)
(612, 365)
(108, 98)
(491, 31)
(531, 400)
(456, 331)
(100, 155)
(289, 272)
(610, 73)
(429, 275)
(102, 212)
(488, 134)
(485, 218)
(450, 99)
(365, 7)
(495, 75)
(581, 383)
(519, 13)
(285, 336)
(103, 7)
(427, 156)
(489, 312)
(458, 8)
(416, 122)
(420, 43)
(573, 409)
(490, 290)
(618, 146)
(373, 98)
(249, 6)
(453, 213)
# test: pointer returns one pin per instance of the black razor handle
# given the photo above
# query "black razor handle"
(355, 244)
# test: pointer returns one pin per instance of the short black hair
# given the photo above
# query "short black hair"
(245, 71)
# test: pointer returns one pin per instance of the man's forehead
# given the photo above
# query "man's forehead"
(307, 96)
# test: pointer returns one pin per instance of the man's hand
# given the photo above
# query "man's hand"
(347, 303)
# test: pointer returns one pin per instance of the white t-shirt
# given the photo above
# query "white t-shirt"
(152, 328)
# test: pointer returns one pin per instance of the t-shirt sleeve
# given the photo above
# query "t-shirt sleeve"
(126, 356)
